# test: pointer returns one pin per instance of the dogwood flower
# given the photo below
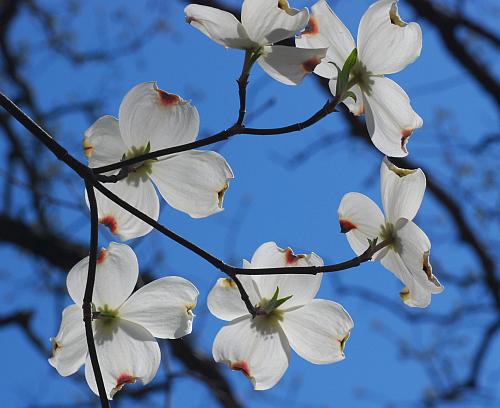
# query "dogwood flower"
(408, 254)
(288, 316)
(151, 119)
(386, 45)
(126, 325)
(263, 23)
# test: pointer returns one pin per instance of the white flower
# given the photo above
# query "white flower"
(126, 328)
(151, 119)
(408, 256)
(386, 45)
(263, 23)
(288, 317)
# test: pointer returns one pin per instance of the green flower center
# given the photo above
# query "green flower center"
(141, 171)
(268, 309)
(361, 76)
(389, 234)
(105, 316)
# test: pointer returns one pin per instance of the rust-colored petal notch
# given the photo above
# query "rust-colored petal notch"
(346, 226)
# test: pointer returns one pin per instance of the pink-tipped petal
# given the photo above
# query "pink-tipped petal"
(301, 287)
(361, 219)
(149, 115)
(390, 119)
(69, 347)
(289, 65)
(259, 350)
(116, 276)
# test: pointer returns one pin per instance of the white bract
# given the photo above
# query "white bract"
(263, 23)
(408, 254)
(127, 324)
(151, 119)
(288, 317)
(386, 45)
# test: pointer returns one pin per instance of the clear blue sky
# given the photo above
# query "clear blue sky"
(266, 201)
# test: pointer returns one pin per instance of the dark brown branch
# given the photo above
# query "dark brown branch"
(89, 290)
(447, 27)
(59, 251)
(22, 318)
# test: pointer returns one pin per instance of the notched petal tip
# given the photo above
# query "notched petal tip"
(226, 283)
(343, 341)
(404, 294)
(241, 366)
(312, 27)
(87, 147)
(427, 268)
(110, 222)
(167, 99)
(346, 226)
(405, 136)
(101, 257)
(291, 258)
(189, 310)
(220, 195)
(394, 16)
(399, 171)
(56, 346)
(121, 381)
(283, 5)
(309, 65)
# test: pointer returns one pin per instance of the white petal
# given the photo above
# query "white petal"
(115, 278)
(386, 43)
(390, 119)
(126, 352)
(257, 349)
(150, 115)
(318, 331)
(360, 219)
(356, 107)
(224, 300)
(69, 347)
(220, 26)
(414, 247)
(103, 143)
(268, 22)
(409, 262)
(164, 307)
(301, 287)
(289, 65)
(139, 193)
(193, 182)
(402, 191)
(325, 29)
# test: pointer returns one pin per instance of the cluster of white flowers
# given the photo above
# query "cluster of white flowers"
(286, 314)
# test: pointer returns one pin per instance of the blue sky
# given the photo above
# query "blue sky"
(267, 201)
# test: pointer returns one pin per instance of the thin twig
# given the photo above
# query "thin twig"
(236, 129)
